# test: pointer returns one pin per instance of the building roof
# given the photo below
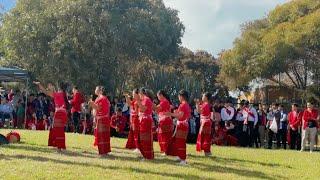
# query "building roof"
(13, 74)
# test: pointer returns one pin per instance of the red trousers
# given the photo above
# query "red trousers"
(165, 132)
(178, 147)
(145, 137)
(133, 137)
(204, 137)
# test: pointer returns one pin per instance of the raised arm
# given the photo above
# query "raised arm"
(128, 99)
(43, 89)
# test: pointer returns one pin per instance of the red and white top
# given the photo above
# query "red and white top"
(185, 108)
(104, 104)
(146, 101)
(227, 113)
(59, 100)
(205, 110)
(164, 106)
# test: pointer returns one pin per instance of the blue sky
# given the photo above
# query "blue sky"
(211, 25)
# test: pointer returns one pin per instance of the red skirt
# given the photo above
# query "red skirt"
(133, 137)
(145, 137)
(204, 137)
(57, 136)
(165, 132)
(102, 134)
(178, 146)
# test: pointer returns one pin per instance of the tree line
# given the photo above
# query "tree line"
(118, 44)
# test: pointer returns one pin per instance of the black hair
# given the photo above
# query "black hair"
(229, 100)
(119, 109)
(75, 87)
(103, 90)
(184, 94)
(276, 104)
(136, 91)
(93, 97)
(63, 88)
(311, 102)
(246, 103)
(164, 94)
(208, 96)
(295, 105)
(242, 102)
(146, 92)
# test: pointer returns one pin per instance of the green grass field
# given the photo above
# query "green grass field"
(32, 159)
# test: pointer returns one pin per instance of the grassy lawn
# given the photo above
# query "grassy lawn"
(32, 159)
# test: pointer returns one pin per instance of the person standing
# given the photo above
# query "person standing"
(178, 146)
(133, 137)
(165, 129)
(273, 115)
(250, 116)
(310, 125)
(145, 130)
(227, 113)
(76, 102)
(294, 118)
(204, 137)
(283, 128)
(102, 117)
(262, 122)
(57, 135)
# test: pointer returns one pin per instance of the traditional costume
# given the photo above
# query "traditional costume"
(56, 134)
(177, 146)
(145, 129)
(102, 130)
(165, 129)
(204, 136)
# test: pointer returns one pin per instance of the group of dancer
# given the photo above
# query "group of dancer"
(172, 139)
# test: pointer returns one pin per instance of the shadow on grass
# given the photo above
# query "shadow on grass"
(232, 160)
(239, 172)
(129, 169)
(204, 167)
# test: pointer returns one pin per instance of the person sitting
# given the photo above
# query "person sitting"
(31, 122)
(118, 123)
(6, 111)
(41, 124)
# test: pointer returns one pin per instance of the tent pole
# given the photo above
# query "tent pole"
(26, 103)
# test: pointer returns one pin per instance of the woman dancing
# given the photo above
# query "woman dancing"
(166, 128)
(56, 134)
(102, 117)
(178, 146)
(204, 136)
(133, 137)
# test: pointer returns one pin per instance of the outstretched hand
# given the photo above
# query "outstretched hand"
(36, 82)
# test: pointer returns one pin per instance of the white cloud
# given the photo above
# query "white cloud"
(212, 25)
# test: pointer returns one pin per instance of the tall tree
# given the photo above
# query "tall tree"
(285, 44)
(89, 42)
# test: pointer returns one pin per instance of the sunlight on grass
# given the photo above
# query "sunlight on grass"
(32, 159)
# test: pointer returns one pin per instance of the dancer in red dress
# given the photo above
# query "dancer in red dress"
(102, 117)
(165, 129)
(204, 136)
(177, 146)
(145, 129)
(56, 135)
(133, 137)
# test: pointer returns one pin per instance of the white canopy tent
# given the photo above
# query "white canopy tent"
(16, 75)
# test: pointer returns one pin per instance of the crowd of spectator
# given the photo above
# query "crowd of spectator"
(243, 124)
